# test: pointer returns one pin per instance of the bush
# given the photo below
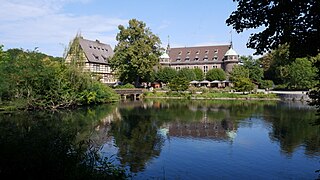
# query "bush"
(266, 84)
(126, 86)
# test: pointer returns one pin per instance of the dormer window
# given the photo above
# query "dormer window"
(216, 51)
(215, 58)
(206, 52)
(196, 58)
(178, 59)
(188, 53)
(205, 58)
(180, 53)
(198, 52)
(187, 59)
(95, 57)
(104, 58)
(90, 47)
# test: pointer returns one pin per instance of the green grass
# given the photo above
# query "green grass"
(209, 95)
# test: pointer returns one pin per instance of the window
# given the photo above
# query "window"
(206, 52)
(90, 47)
(177, 68)
(178, 59)
(95, 57)
(198, 52)
(215, 58)
(205, 58)
(205, 69)
(187, 59)
(188, 53)
(196, 59)
(214, 66)
(180, 53)
(216, 51)
(94, 47)
(104, 58)
(96, 67)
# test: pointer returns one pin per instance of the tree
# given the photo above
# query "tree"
(301, 74)
(199, 74)
(179, 84)
(137, 52)
(266, 84)
(187, 73)
(216, 74)
(239, 72)
(243, 84)
(255, 71)
(275, 64)
(166, 74)
(294, 22)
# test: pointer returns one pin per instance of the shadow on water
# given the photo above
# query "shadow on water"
(53, 145)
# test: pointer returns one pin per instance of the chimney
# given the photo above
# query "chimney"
(97, 41)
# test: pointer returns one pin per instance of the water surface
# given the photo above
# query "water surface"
(173, 139)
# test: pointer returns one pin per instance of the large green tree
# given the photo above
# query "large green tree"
(296, 22)
(166, 74)
(255, 71)
(301, 74)
(137, 52)
(186, 73)
(216, 74)
(275, 64)
(199, 74)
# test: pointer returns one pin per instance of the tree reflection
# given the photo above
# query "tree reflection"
(137, 138)
(52, 145)
(292, 127)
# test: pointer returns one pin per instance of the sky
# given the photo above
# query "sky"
(49, 25)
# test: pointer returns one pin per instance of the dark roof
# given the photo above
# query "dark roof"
(96, 51)
(198, 54)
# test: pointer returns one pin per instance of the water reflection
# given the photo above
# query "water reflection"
(201, 135)
(143, 129)
(52, 145)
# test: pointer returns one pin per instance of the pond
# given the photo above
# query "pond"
(171, 139)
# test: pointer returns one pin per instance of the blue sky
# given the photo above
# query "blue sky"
(51, 24)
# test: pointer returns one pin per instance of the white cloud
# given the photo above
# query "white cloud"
(43, 23)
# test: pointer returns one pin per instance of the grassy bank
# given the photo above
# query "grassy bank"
(211, 95)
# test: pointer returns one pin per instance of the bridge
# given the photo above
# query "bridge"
(133, 93)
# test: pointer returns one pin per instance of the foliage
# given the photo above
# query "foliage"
(301, 74)
(44, 82)
(266, 84)
(216, 74)
(255, 71)
(166, 74)
(179, 84)
(243, 84)
(315, 93)
(275, 64)
(126, 86)
(136, 54)
(239, 72)
(186, 73)
(199, 74)
(292, 22)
